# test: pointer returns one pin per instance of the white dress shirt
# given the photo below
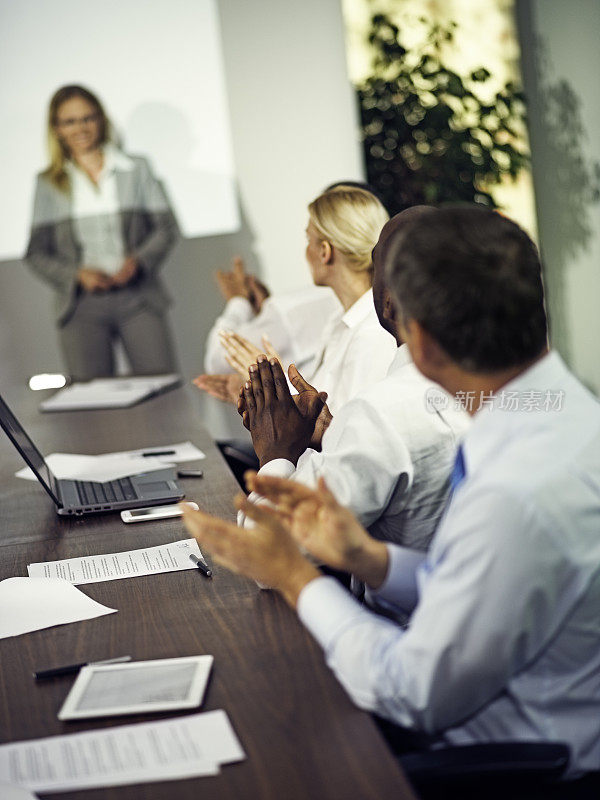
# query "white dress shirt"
(387, 455)
(504, 641)
(355, 352)
(293, 322)
(96, 212)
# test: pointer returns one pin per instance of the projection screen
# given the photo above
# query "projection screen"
(157, 68)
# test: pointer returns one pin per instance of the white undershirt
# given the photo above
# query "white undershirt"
(96, 212)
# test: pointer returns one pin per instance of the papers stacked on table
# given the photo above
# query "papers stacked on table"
(183, 747)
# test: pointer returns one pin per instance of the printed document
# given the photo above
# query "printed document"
(183, 747)
(170, 557)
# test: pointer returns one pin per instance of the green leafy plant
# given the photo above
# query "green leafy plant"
(428, 135)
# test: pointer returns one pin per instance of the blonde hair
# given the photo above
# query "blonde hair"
(58, 154)
(350, 219)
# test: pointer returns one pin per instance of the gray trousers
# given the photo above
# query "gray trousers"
(87, 338)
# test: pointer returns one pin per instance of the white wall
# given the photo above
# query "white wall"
(293, 119)
(561, 65)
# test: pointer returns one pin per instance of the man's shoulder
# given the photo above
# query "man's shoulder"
(398, 401)
(402, 385)
(549, 469)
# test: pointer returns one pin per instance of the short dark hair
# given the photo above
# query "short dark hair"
(472, 278)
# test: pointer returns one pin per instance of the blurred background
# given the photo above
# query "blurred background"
(494, 101)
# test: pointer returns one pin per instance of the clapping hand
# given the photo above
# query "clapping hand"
(240, 353)
(233, 283)
(327, 530)
(224, 387)
(257, 292)
(238, 283)
(304, 401)
(267, 552)
(280, 428)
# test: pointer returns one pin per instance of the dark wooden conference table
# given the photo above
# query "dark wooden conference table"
(302, 735)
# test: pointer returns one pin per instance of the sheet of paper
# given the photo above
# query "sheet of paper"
(8, 791)
(112, 566)
(30, 604)
(183, 451)
(108, 467)
(183, 747)
(111, 466)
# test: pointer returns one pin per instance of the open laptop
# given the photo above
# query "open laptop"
(91, 497)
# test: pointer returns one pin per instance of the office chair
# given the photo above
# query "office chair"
(239, 457)
(505, 771)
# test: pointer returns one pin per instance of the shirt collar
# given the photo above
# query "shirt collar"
(360, 310)
(401, 358)
(497, 423)
(114, 159)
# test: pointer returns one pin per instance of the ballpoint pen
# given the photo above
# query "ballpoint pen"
(201, 564)
(151, 453)
(71, 669)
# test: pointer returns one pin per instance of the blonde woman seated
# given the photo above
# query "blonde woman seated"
(252, 314)
(343, 227)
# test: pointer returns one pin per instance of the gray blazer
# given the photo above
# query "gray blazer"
(149, 232)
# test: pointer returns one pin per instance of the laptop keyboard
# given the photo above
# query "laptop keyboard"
(91, 492)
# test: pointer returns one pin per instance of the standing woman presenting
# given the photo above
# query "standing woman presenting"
(101, 230)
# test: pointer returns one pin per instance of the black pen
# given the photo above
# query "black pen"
(201, 564)
(158, 453)
(71, 669)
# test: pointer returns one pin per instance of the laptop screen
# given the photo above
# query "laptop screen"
(26, 448)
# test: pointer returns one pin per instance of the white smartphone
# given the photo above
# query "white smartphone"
(154, 512)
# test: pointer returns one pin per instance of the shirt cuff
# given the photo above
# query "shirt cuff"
(237, 311)
(400, 584)
(278, 468)
(326, 608)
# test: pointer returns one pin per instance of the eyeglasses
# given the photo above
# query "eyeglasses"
(70, 122)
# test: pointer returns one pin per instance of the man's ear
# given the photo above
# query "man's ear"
(426, 353)
(389, 307)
